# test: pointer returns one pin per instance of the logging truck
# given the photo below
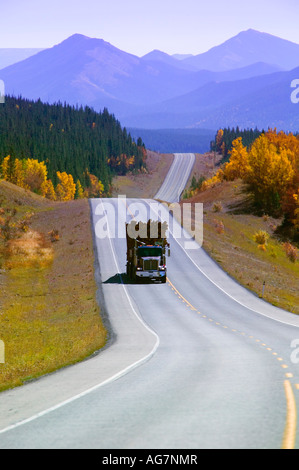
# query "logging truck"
(147, 249)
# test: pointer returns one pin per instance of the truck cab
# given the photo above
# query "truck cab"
(146, 254)
(151, 263)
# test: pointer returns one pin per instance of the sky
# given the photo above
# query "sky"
(138, 26)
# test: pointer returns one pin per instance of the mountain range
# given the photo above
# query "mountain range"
(243, 82)
(9, 56)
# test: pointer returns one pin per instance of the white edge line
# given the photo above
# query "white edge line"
(174, 167)
(226, 293)
(233, 298)
(107, 381)
(76, 397)
(124, 287)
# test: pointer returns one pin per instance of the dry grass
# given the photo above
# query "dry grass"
(49, 317)
(230, 237)
(31, 249)
(144, 185)
(205, 165)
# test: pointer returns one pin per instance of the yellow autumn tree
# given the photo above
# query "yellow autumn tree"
(27, 173)
(282, 140)
(96, 187)
(238, 165)
(79, 190)
(6, 168)
(219, 139)
(66, 188)
(214, 181)
(296, 211)
(35, 174)
(269, 174)
(18, 174)
(288, 142)
(48, 191)
(93, 186)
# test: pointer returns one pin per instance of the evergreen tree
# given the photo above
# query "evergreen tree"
(68, 139)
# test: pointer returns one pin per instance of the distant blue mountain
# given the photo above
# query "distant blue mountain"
(161, 91)
(175, 140)
(262, 102)
(159, 56)
(9, 56)
(93, 72)
(247, 48)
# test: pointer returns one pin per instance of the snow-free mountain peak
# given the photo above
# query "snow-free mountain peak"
(247, 48)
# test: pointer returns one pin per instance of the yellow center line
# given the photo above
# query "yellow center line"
(180, 295)
(289, 439)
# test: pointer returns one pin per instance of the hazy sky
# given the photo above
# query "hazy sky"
(138, 26)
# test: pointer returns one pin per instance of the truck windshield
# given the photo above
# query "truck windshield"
(149, 251)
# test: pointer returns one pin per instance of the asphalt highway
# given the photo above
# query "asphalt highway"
(177, 177)
(196, 363)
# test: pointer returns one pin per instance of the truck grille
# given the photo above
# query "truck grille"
(150, 265)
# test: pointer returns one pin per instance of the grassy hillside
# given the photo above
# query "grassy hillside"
(49, 314)
(229, 232)
(144, 185)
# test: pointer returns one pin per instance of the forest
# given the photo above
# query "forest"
(269, 166)
(78, 142)
(224, 139)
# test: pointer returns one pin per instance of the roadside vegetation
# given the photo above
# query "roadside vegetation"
(49, 317)
(270, 170)
(251, 215)
(144, 184)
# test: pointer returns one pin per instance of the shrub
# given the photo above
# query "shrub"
(261, 237)
(262, 247)
(291, 251)
(219, 225)
(217, 207)
(54, 236)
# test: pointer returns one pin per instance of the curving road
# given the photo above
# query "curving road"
(177, 177)
(196, 363)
